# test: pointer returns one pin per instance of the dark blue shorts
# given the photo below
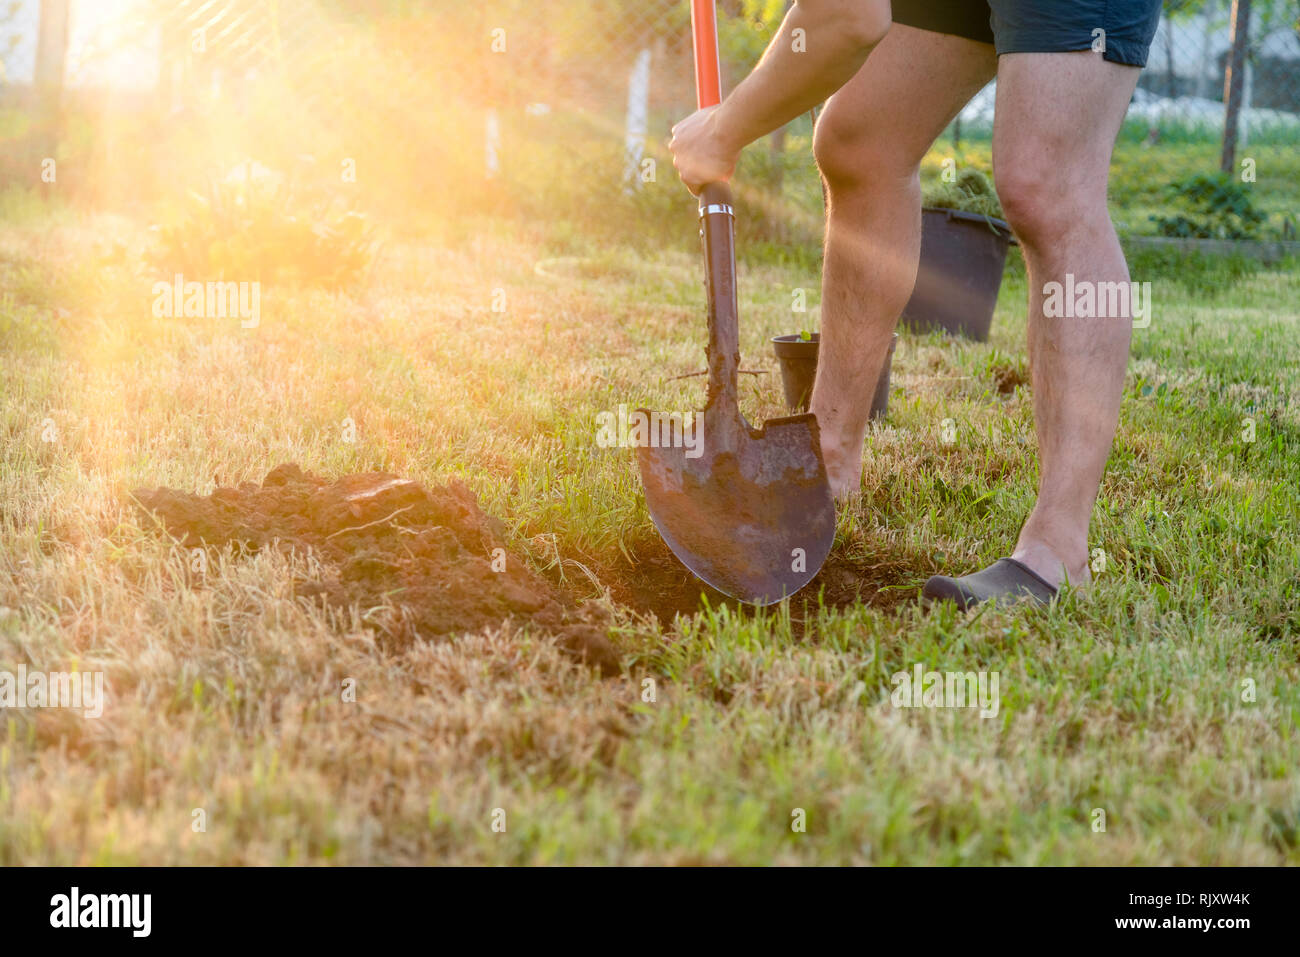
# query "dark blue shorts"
(1042, 26)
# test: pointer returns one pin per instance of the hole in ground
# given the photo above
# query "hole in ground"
(656, 583)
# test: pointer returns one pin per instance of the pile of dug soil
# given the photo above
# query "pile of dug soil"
(426, 557)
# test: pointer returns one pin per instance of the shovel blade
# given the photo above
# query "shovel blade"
(753, 515)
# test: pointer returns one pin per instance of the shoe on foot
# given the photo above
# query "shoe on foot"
(1005, 578)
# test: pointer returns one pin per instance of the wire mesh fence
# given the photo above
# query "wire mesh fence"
(440, 92)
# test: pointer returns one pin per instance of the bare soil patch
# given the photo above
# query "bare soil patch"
(423, 556)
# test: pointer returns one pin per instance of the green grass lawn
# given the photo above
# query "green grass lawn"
(1167, 696)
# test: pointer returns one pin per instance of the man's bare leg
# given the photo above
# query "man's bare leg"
(869, 143)
(1057, 118)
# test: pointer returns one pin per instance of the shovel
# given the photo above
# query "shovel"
(749, 511)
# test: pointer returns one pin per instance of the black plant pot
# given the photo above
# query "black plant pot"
(962, 257)
(798, 360)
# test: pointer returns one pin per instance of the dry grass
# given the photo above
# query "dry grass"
(225, 689)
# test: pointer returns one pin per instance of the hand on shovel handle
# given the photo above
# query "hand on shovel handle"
(701, 154)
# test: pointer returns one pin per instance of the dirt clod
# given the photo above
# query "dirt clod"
(419, 560)
(1007, 378)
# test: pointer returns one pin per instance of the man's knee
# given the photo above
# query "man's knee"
(1044, 201)
(854, 152)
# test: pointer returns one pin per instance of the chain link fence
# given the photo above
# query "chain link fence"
(439, 96)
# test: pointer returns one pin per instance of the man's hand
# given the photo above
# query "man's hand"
(786, 83)
(701, 153)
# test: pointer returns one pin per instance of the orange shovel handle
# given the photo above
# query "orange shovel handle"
(704, 32)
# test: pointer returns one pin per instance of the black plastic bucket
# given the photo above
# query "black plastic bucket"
(798, 360)
(962, 257)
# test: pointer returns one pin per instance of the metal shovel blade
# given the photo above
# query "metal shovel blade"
(747, 510)
(752, 514)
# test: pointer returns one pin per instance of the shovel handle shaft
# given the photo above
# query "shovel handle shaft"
(717, 228)
(704, 33)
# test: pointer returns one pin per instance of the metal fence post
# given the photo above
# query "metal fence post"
(51, 55)
(635, 126)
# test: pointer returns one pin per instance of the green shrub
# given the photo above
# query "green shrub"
(262, 227)
(1214, 206)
